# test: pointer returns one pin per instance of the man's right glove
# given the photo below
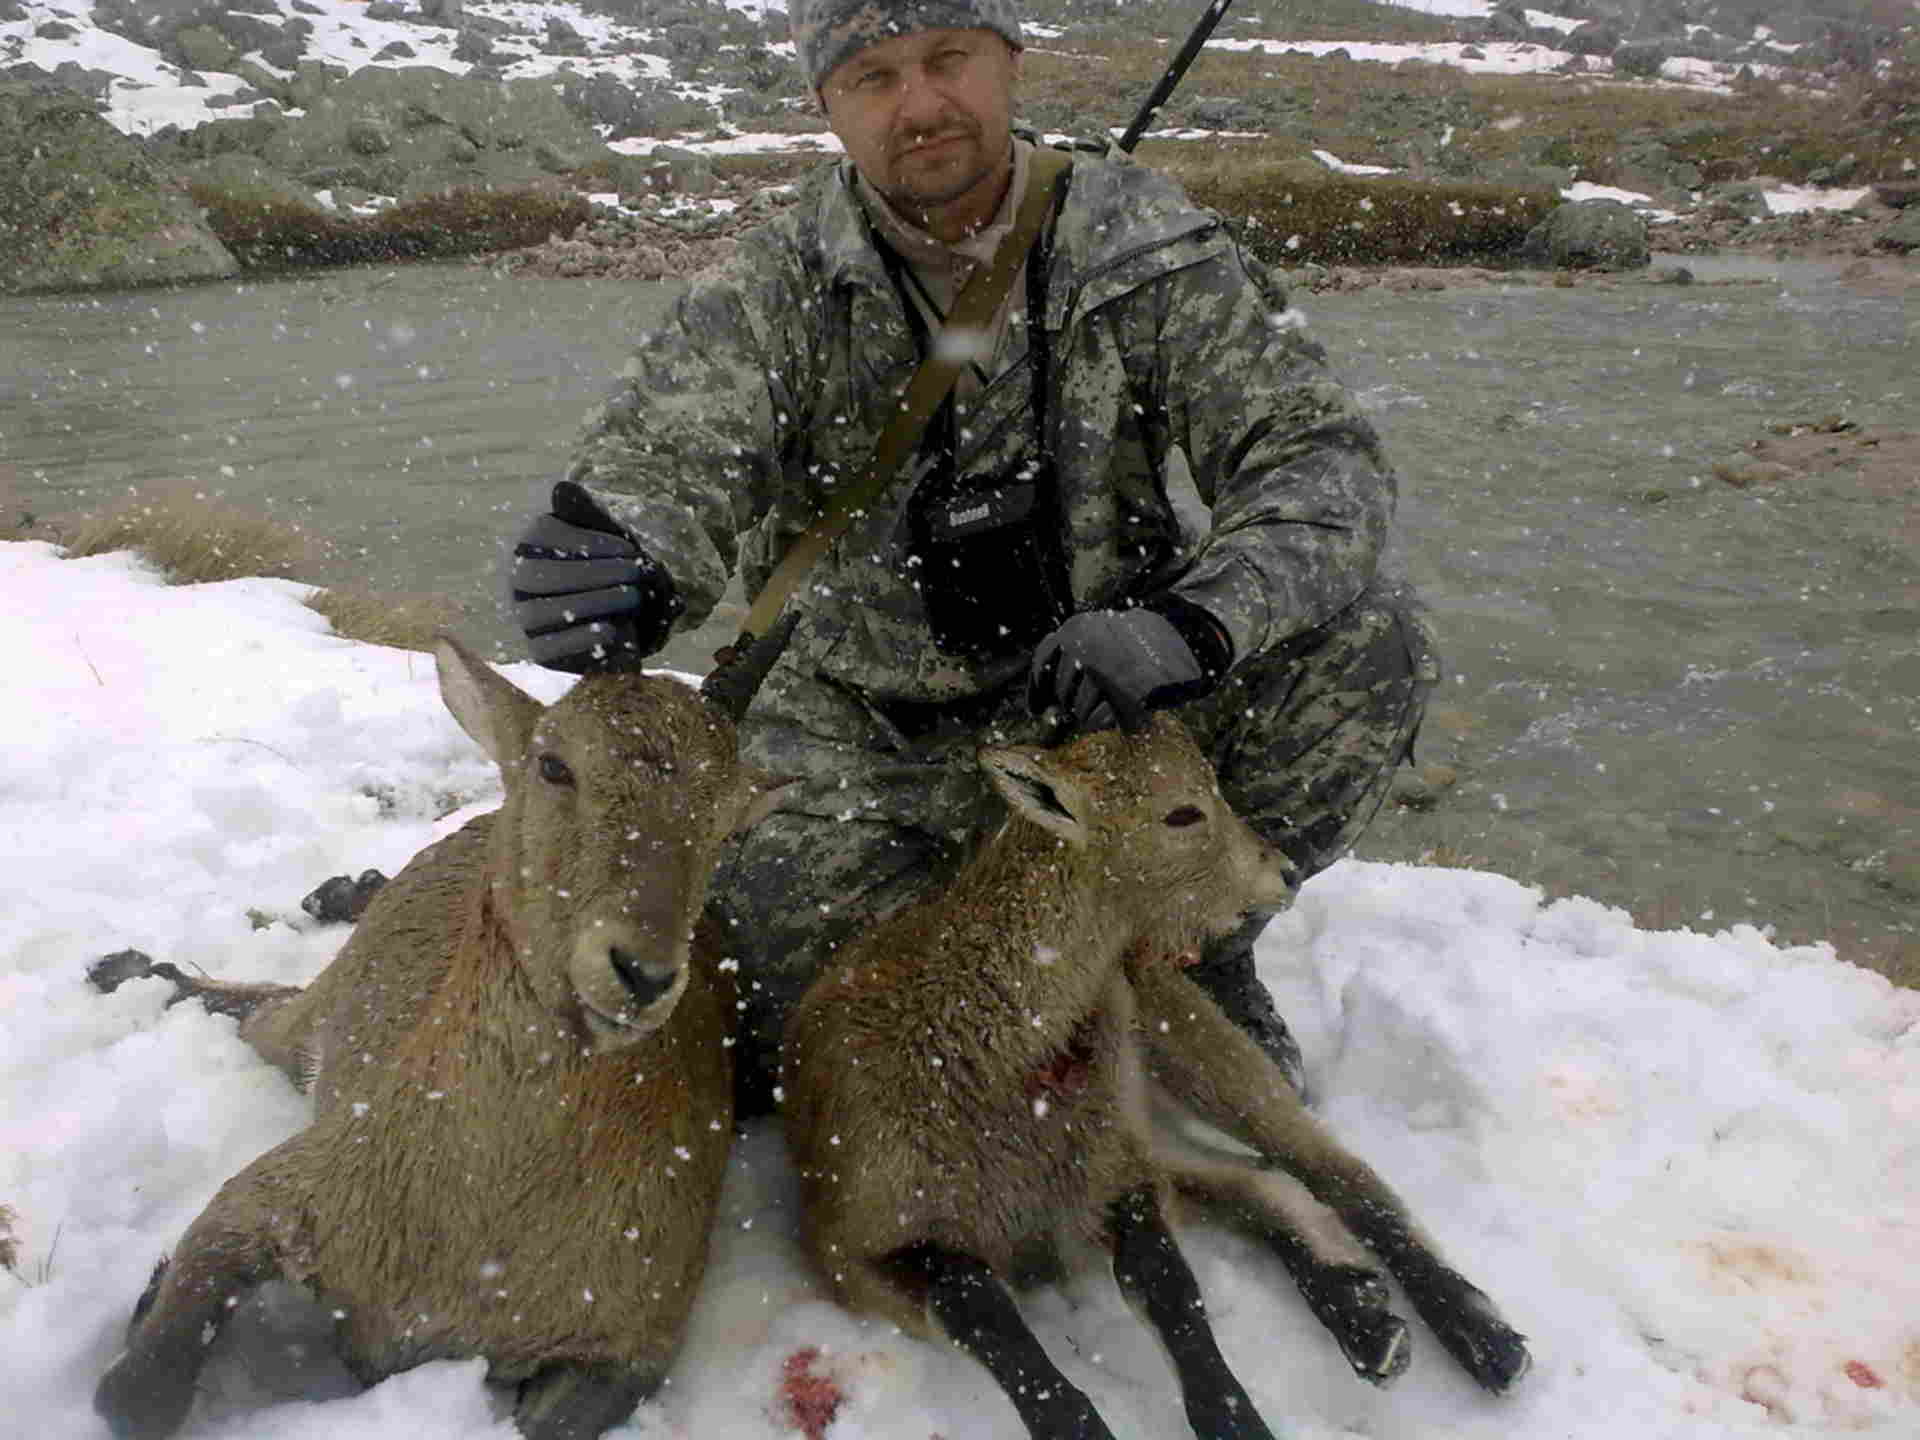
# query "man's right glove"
(1103, 668)
(586, 595)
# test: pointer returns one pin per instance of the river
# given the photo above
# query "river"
(1692, 700)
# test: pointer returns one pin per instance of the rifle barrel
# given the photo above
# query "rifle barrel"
(1170, 77)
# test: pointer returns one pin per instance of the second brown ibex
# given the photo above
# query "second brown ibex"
(523, 1099)
(969, 1096)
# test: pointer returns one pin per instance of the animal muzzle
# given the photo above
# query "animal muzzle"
(628, 977)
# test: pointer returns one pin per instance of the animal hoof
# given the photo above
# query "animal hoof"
(1487, 1348)
(1497, 1359)
(110, 972)
(343, 899)
(1379, 1350)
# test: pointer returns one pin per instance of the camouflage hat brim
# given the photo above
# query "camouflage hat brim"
(826, 33)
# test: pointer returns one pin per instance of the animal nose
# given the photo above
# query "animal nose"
(645, 987)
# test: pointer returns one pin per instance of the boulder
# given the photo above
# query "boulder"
(1595, 37)
(84, 207)
(1589, 235)
(1738, 200)
(409, 129)
(1641, 58)
(1903, 236)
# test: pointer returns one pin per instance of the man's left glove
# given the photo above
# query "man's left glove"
(587, 596)
(1103, 668)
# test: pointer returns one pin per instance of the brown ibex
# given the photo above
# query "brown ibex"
(969, 1095)
(523, 1099)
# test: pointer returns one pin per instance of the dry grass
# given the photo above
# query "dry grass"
(190, 537)
(405, 620)
(9, 1245)
(266, 231)
(1291, 211)
(195, 540)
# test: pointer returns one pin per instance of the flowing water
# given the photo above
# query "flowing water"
(1696, 701)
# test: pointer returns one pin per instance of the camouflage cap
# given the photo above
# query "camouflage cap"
(826, 32)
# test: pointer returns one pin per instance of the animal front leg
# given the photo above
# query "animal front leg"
(1339, 1278)
(1159, 1284)
(1458, 1312)
(1208, 1065)
(972, 1308)
(577, 1402)
(147, 1392)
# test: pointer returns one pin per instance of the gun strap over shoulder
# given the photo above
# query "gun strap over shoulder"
(973, 310)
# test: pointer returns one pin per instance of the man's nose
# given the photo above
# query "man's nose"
(921, 101)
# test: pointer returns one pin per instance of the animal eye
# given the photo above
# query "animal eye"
(554, 770)
(1184, 816)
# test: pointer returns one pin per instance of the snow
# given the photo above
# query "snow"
(1682, 1161)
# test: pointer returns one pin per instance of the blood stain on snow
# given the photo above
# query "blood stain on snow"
(811, 1399)
(1862, 1374)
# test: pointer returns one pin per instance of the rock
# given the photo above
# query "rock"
(201, 47)
(1595, 37)
(473, 47)
(1738, 200)
(344, 898)
(367, 135)
(1589, 235)
(563, 39)
(441, 130)
(1897, 193)
(84, 207)
(1903, 236)
(1640, 58)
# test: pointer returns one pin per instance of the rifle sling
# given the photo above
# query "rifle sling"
(973, 309)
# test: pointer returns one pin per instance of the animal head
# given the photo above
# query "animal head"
(618, 798)
(1144, 809)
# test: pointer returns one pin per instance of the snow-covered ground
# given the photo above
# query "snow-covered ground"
(1684, 1162)
(148, 93)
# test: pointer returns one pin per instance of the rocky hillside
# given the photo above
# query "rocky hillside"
(303, 130)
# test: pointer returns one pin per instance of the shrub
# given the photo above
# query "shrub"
(265, 230)
(1288, 216)
(405, 620)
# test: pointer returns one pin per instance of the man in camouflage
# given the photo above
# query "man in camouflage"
(1146, 490)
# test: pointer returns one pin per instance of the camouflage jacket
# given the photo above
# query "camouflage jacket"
(1200, 444)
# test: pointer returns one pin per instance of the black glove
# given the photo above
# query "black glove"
(587, 596)
(1110, 667)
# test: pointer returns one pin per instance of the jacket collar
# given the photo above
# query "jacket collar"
(1117, 232)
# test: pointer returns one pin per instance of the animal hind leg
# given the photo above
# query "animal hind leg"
(970, 1306)
(276, 1029)
(1160, 1286)
(222, 997)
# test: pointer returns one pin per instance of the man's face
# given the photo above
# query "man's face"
(927, 118)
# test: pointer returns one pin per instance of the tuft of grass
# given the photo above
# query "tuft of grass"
(9, 1245)
(406, 620)
(190, 537)
(267, 231)
(1289, 215)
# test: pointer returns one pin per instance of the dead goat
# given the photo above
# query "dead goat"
(970, 1096)
(523, 1098)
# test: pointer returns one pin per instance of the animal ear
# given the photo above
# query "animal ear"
(496, 713)
(1038, 789)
